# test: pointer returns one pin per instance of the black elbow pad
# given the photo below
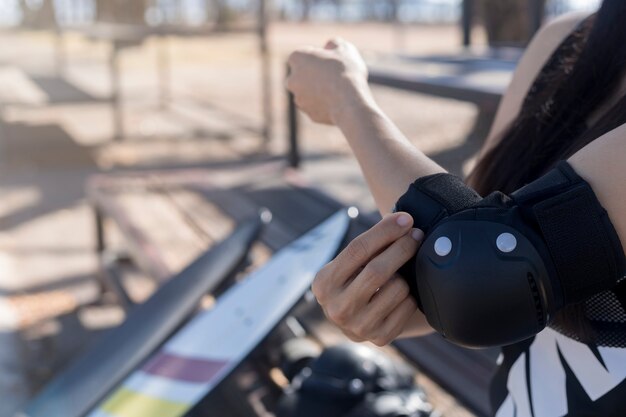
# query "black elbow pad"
(493, 271)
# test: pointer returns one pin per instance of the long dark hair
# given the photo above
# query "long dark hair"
(551, 126)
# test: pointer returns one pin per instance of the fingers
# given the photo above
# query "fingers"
(296, 60)
(365, 322)
(352, 336)
(394, 324)
(334, 43)
(387, 298)
(380, 269)
(382, 328)
(293, 59)
(384, 302)
(299, 55)
(333, 278)
(360, 291)
(367, 245)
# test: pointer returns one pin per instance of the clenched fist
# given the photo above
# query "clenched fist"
(325, 81)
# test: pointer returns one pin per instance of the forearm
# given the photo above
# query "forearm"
(388, 160)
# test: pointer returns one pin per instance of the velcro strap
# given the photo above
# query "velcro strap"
(580, 237)
(579, 243)
(431, 198)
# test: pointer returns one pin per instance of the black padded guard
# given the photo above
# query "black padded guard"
(581, 239)
(560, 206)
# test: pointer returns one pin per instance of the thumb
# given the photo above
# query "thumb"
(334, 43)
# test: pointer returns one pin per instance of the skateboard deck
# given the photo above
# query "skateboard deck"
(206, 350)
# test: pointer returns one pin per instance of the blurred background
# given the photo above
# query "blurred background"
(112, 87)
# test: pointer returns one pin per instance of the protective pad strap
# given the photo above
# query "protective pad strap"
(431, 198)
(428, 200)
(580, 237)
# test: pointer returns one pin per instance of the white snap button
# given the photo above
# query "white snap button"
(356, 386)
(443, 246)
(506, 242)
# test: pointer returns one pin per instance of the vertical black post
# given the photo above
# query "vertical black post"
(266, 73)
(293, 154)
(535, 18)
(467, 15)
(99, 218)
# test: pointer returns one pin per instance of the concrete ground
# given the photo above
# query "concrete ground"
(56, 133)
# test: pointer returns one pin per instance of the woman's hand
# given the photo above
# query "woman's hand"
(359, 290)
(326, 80)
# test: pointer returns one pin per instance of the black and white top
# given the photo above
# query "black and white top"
(556, 374)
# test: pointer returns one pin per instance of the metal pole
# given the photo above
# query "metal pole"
(467, 21)
(293, 154)
(266, 73)
(99, 220)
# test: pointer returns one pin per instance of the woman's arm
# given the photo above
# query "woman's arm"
(330, 85)
(388, 160)
(361, 294)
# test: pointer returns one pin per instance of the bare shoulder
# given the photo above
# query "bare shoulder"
(601, 163)
(545, 42)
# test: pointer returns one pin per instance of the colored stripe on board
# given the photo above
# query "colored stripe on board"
(179, 368)
(100, 413)
(164, 388)
(127, 403)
